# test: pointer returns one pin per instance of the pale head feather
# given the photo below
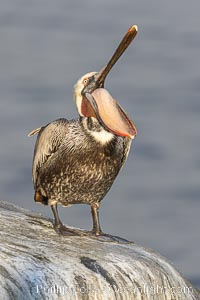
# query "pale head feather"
(78, 87)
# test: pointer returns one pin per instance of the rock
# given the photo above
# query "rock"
(36, 263)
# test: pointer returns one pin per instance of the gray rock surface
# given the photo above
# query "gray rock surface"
(36, 263)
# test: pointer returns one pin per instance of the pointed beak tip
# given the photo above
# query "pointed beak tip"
(133, 28)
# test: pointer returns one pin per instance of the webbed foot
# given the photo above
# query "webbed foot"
(66, 231)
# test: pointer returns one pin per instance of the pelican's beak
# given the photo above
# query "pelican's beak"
(101, 105)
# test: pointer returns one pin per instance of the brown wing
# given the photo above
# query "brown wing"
(49, 140)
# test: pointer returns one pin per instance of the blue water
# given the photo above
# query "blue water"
(47, 45)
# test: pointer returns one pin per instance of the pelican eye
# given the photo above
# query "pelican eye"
(85, 81)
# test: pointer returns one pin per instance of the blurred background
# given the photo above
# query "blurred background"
(46, 46)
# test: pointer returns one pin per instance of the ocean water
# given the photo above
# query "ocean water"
(46, 46)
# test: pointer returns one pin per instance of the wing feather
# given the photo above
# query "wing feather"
(49, 140)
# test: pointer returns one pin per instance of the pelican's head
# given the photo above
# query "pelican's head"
(92, 100)
(78, 88)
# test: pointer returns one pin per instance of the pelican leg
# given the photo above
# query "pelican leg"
(95, 217)
(59, 227)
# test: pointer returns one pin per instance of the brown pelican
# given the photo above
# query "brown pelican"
(76, 161)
